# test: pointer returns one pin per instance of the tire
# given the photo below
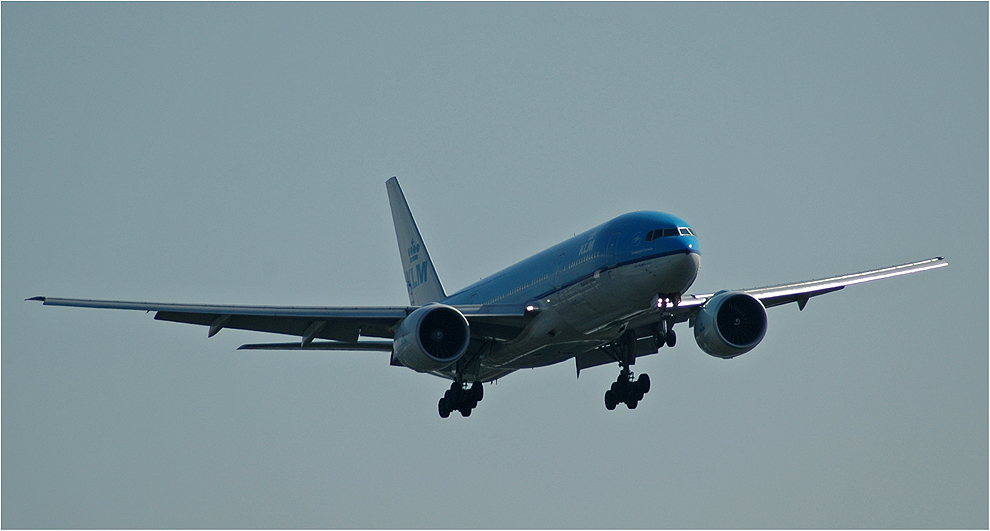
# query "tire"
(477, 392)
(671, 338)
(610, 403)
(644, 383)
(443, 408)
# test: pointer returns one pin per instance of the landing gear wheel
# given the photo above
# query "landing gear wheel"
(627, 391)
(477, 392)
(460, 398)
(671, 338)
(644, 383)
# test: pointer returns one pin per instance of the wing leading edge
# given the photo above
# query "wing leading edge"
(800, 292)
(342, 326)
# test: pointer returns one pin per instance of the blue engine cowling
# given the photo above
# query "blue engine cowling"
(730, 324)
(431, 338)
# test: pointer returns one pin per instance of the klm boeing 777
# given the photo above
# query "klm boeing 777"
(608, 295)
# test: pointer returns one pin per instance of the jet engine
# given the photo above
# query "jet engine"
(730, 324)
(431, 338)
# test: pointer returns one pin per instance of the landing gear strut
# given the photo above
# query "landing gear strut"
(664, 334)
(461, 397)
(626, 390)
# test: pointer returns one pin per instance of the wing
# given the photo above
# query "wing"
(800, 292)
(644, 323)
(771, 296)
(341, 325)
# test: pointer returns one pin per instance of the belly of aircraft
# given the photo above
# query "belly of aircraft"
(588, 314)
(623, 291)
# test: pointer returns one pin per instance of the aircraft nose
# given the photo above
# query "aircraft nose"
(692, 244)
(678, 271)
(689, 244)
(692, 254)
(695, 261)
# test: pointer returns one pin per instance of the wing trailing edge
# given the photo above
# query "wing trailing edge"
(372, 346)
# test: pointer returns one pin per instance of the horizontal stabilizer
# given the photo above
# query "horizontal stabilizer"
(375, 346)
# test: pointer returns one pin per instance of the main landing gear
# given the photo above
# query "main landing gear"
(461, 397)
(627, 391)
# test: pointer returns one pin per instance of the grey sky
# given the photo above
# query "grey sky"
(237, 153)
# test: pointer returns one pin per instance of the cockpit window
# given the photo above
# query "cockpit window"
(663, 233)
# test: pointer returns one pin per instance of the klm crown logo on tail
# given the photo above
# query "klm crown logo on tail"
(424, 287)
(413, 252)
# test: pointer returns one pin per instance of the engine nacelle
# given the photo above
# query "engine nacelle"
(431, 338)
(730, 324)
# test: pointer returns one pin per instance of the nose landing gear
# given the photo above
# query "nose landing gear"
(664, 334)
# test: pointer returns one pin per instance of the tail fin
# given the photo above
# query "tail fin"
(421, 277)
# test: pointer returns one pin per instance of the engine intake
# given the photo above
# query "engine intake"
(431, 338)
(730, 324)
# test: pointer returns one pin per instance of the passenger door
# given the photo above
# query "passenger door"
(610, 253)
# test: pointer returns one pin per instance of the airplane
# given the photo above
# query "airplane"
(609, 295)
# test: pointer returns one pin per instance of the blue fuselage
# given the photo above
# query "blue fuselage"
(623, 241)
(587, 285)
